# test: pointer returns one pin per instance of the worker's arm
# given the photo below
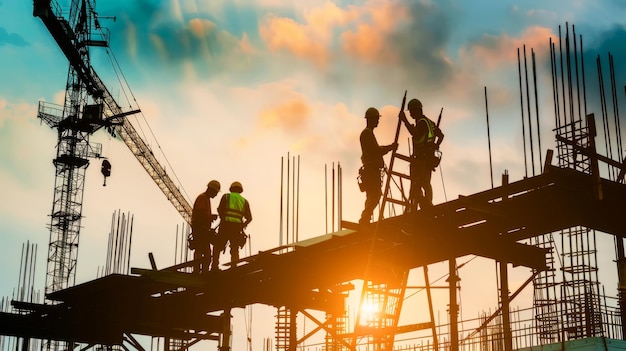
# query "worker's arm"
(221, 208)
(403, 118)
(387, 148)
(438, 136)
(247, 214)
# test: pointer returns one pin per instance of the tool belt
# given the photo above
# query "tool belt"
(201, 239)
(430, 157)
(366, 177)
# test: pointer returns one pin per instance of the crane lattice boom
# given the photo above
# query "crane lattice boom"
(65, 37)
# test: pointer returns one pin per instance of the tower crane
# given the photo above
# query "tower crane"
(88, 107)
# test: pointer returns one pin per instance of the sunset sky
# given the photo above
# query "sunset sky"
(228, 88)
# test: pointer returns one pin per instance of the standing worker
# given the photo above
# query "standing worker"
(201, 231)
(426, 137)
(235, 215)
(373, 164)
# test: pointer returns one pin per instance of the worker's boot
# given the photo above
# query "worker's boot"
(234, 254)
(215, 262)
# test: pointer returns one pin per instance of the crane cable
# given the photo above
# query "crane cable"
(123, 82)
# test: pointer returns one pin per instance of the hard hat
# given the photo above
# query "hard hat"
(413, 104)
(371, 113)
(236, 187)
(215, 185)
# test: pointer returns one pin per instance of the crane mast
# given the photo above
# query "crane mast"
(88, 107)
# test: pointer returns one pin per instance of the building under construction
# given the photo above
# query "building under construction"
(547, 222)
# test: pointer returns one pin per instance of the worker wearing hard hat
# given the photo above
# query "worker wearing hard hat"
(235, 215)
(372, 158)
(202, 234)
(426, 137)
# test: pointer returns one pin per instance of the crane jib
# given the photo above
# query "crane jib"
(68, 40)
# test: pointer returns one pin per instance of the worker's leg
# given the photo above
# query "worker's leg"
(234, 252)
(428, 189)
(218, 246)
(215, 260)
(415, 191)
(197, 256)
(428, 195)
(206, 259)
(372, 183)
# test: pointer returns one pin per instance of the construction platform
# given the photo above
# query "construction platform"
(315, 274)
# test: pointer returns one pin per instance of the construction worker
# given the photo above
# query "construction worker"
(373, 164)
(201, 232)
(235, 215)
(426, 137)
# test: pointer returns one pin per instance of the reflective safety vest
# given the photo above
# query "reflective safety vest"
(430, 137)
(234, 212)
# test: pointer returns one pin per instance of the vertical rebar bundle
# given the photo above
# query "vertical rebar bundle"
(119, 244)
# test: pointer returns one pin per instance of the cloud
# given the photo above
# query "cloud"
(285, 33)
(18, 153)
(14, 39)
(201, 27)
(493, 52)
(312, 38)
(182, 38)
(14, 112)
(330, 32)
(377, 23)
(290, 115)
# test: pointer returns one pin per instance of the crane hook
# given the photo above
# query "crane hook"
(106, 170)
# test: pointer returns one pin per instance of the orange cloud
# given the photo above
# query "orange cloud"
(245, 46)
(313, 39)
(369, 40)
(322, 20)
(364, 42)
(286, 34)
(290, 116)
(201, 27)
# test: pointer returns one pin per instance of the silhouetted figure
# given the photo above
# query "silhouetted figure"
(235, 215)
(201, 231)
(373, 164)
(426, 137)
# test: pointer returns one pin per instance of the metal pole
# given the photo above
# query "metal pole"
(293, 201)
(530, 124)
(504, 298)
(615, 109)
(332, 223)
(287, 215)
(326, 197)
(488, 139)
(339, 195)
(534, 66)
(570, 160)
(604, 109)
(555, 87)
(582, 65)
(454, 308)
(621, 276)
(576, 65)
(521, 100)
(280, 230)
(297, 231)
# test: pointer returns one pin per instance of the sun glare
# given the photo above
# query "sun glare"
(369, 312)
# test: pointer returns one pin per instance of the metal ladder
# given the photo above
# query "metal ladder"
(399, 178)
(381, 327)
